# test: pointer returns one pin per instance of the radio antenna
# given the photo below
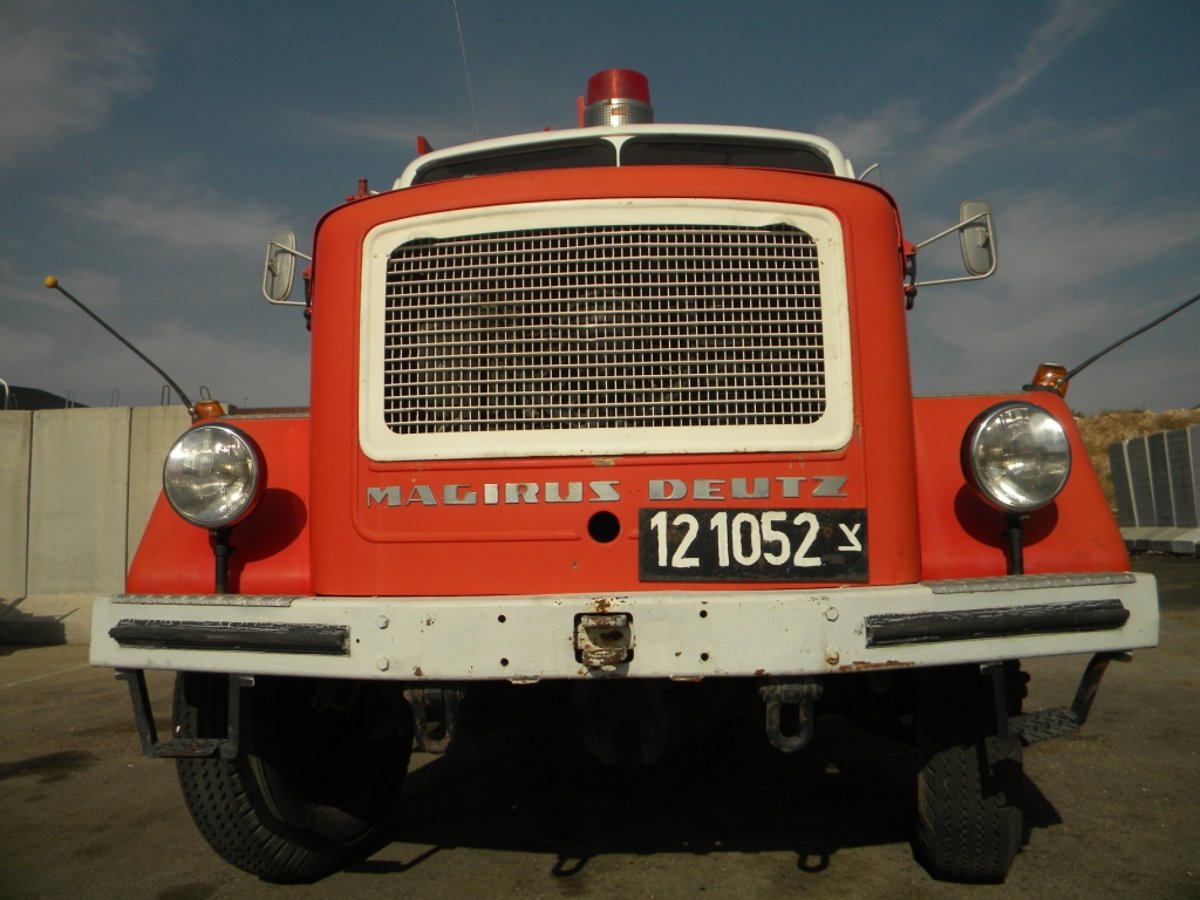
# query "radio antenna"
(466, 69)
(1091, 359)
(52, 283)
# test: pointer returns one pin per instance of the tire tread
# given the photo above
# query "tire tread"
(229, 807)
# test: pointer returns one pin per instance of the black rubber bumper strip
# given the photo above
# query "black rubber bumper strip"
(251, 637)
(889, 630)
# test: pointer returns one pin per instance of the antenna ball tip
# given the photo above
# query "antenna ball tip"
(51, 281)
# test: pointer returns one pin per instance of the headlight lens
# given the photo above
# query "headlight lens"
(213, 476)
(1017, 456)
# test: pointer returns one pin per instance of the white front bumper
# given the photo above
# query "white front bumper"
(675, 634)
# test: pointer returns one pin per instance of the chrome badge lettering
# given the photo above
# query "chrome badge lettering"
(658, 490)
(786, 487)
(495, 493)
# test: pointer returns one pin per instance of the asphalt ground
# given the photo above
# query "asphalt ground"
(1114, 810)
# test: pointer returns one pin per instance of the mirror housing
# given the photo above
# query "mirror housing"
(279, 269)
(977, 238)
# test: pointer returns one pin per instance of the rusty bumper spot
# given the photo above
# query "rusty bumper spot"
(864, 666)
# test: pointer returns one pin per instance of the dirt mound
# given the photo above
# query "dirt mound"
(1107, 428)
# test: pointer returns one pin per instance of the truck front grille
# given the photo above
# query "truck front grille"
(615, 326)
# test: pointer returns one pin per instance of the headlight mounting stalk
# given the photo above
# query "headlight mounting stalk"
(222, 550)
(1014, 534)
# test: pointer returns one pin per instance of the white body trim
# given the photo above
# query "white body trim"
(618, 134)
(674, 634)
(831, 432)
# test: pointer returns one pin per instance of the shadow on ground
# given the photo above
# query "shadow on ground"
(729, 793)
(18, 627)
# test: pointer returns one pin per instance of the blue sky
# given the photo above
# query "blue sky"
(149, 149)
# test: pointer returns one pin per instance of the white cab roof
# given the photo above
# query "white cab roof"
(617, 135)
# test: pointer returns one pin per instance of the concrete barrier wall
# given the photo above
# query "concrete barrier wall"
(1156, 482)
(16, 428)
(78, 501)
(152, 431)
(78, 486)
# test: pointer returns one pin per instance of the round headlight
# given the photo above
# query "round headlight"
(213, 476)
(1017, 456)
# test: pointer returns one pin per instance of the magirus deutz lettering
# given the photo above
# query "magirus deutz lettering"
(786, 487)
(616, 418)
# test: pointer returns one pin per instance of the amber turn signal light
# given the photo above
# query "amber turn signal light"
(207, 409)
(1050, 377)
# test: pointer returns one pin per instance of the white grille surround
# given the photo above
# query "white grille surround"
(604, 327)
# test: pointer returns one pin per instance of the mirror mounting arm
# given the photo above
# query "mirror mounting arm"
(951, 230)
(977, 238)
(910, 275)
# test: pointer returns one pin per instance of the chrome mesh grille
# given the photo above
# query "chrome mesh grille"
(617, 326)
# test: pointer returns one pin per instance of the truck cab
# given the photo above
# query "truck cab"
(622, 410)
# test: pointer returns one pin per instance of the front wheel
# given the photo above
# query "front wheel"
(316, 782)
(969, 821)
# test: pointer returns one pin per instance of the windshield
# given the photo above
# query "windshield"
(642, 150)
(678, 151)
(566, 155)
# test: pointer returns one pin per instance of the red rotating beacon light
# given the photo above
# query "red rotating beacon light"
(617, 97)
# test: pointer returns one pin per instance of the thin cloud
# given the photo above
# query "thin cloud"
(102, 290)
(898, 133)
(1065, 243)
(1123, 137)
(351, 130)
(237, 368)
(68, 355)
(878, 136)
(371, 128)
(1068, 21)
(63, 67)
(168, 207)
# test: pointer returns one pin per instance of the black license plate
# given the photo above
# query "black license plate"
(752, 544)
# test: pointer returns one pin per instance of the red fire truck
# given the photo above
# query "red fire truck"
(619, 414)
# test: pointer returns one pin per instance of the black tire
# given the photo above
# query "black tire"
(317, 781)
(969, 820)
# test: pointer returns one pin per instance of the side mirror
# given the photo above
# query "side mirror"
(279, 269)
(977, 237)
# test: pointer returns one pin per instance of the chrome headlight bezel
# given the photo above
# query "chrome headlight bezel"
(214, 475)
(1016, 456)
